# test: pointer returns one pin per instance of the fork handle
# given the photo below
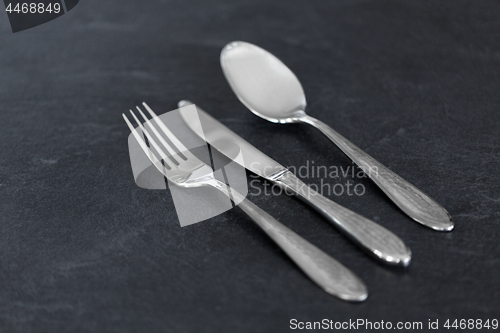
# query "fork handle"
(325, 271)
(372, 237)
(415, 203)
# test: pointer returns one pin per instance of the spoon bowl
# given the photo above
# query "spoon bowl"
(263, 83)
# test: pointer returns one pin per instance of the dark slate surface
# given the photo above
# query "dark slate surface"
(82, 248)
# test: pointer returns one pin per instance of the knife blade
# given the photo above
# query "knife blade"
(224, 140)
(370, 236)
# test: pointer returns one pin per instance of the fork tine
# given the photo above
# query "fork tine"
(171, 151)
(160, 151)
(167, 132)
(152, 157)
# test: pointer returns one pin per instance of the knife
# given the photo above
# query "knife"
(375, 239)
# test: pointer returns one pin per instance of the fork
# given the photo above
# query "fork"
(186, 170)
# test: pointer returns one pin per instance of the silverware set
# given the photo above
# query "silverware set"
(270, 90)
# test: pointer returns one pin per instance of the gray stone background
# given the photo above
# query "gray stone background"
(83, 249)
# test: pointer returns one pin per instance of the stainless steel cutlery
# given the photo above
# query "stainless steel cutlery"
(375, 239)
(270, 90)
(186, 170)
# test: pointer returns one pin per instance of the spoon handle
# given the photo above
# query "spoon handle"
(328, 273)
(377, 240)
(415, 203)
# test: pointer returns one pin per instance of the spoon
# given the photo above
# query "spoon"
(270, 90)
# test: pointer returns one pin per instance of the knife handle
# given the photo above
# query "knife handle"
(377, 240)
(415, 203)
(325, 271)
